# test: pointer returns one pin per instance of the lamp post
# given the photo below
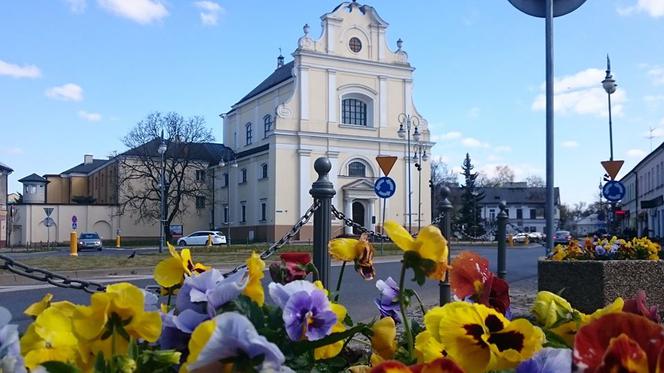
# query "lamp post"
(411, 122)
(162, 187)
(421, 156)
(231, 162)
(610, 86)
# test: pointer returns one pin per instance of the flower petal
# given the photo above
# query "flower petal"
(343, 249)
(169, 272)
(400, 236)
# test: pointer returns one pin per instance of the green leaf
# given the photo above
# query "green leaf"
(304, 346)
(244, 305)
(100, 363)
(553, 340)
(59, 367)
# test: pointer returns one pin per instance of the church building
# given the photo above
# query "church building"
(344, 96)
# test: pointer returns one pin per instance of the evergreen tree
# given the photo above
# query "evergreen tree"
(469, 219)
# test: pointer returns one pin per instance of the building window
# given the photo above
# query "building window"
(533, 213)
(249, 133)
(243, 176)
(355, 44)
(200, 202)
(263, 210)
(243, 212)
(357, 169)
(354, 111)
(264, 171)
(225, 179)
(492, 214)
(267, 124)
(225, 213)
(519, 213)
(200, 175)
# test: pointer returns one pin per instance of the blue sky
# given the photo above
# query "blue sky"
(76, 75)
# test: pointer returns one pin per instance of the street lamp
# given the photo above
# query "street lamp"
(162, 187)
(231, 162)
(411, 122)
(610, 86)
(421, 156)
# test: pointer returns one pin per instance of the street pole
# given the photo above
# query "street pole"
(410, 209)
(162, 186)
(445, 295)
(549, 125)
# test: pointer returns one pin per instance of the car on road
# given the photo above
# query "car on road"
(520, 237)
(201, 238)
(562, 237)
(536, 236)
(89, 240)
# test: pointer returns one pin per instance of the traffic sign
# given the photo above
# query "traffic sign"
(613, 191)
(612, 168)
(385, 187)
(74, 225)
(74, 219)
(48, 210)
(49, 222)
(386, 163)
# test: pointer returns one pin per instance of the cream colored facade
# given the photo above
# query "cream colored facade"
(305, 106)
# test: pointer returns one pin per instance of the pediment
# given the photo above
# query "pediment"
(359, 184)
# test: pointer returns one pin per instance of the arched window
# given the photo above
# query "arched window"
(249, 133)
(354, 111)
(267, 123)
(357, 169)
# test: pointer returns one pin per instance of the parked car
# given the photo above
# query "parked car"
(562, 237)
(201, 238)
(520, 237)
(536, 236)
(89, 240)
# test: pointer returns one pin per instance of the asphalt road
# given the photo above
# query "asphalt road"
(356, 294)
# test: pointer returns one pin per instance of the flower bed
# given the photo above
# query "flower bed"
(205, 321)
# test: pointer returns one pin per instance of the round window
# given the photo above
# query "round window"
(355, 44)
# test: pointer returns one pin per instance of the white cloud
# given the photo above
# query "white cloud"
(582, 93)
(90, 117)
(12, 150)
(503, 149)
(77, 6)
(472, 142)
(656, 73)
(570, 144)
(16, 71)
(654, 8)
(210, 12)
(494, 158)
(66, 92)
(141, 11)
(474, 113)
(636, 153)
(453, 135)
(654, 100)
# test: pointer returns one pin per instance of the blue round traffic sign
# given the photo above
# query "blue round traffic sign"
(385, 187)
(613, 191)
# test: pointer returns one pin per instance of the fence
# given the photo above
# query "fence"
(322, 211)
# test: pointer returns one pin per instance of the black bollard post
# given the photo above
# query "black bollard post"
(502, 237)
(446, 208)
(323, 191)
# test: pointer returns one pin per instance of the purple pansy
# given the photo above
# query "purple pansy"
(306, 309)
(10, 349)
(388, 302)
(210, 290)
(548, 360)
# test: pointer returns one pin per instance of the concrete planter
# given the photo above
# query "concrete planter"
(592, 284)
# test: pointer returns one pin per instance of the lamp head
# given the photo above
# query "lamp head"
(416, 135)
(401, 132)
(162, 148)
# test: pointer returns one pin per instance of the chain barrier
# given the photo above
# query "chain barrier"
(286, 237)
(350, 223)
(438, 218)
(42, 275)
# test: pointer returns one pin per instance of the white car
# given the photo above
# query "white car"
(520, 237)
(201, 238)
(536, 236)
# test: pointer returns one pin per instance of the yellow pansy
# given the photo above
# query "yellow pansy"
(383, 340)
(479, 338)
(332, 350)
(199, 338)
(49, 337)
(551, 309)
(254, 289)
(429, 244)
(359, 251)
(170, 271)
(38, 307)
(567, 331)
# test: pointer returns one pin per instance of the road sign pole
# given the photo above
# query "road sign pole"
(382, 226)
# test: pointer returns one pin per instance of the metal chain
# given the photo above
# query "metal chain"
(350, 223)
(438, 218)
(42, 275)
(286, 238)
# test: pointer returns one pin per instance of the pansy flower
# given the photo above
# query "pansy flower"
(440, 365)
(637, 305)
(388, 301)
(210, 290)
(170, 272)
(361, 252)
(306, 310)
(50, 338)
(478, 338)
(383, 340)
(254, 288)
(10, 350)
(619, 342)
(471, 279)
(548, 360)
(426, 254)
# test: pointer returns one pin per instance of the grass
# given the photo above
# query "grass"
(217, 255)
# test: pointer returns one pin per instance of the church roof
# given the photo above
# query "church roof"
(279, 75)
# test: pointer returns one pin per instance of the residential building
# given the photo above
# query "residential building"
(525, 206)
(4, 224)
(340, 97)
(589, 225)
(642, 208)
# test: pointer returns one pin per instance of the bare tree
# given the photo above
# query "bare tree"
(535, 181)
(504, 175)
(442, 174)
(140, 166)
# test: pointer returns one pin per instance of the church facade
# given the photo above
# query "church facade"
(344, 96)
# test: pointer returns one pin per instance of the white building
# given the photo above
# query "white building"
(643, 204)
(340, 97)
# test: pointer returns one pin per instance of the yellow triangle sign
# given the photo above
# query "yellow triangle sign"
(386, 163)
(612, 168)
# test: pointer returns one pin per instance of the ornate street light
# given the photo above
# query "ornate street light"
(421, 156)
(162, 187)
(411, 123)
(610, 86)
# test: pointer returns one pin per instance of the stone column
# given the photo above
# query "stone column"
(348, 211)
